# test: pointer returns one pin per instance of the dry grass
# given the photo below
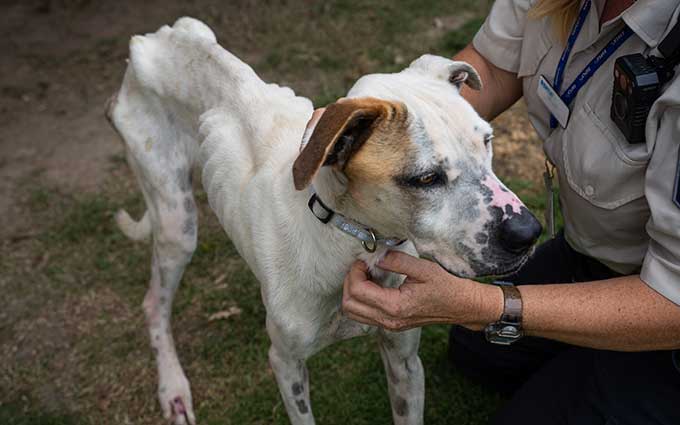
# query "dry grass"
(72, 340)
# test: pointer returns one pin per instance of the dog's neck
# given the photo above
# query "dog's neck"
(332, 183)
(327, 187)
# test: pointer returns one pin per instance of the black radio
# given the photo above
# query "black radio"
(637, 84)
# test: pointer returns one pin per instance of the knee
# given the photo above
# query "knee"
(152, 305)
(275, 359)
(178, 235)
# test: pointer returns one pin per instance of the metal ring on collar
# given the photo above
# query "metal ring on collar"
(374, 242)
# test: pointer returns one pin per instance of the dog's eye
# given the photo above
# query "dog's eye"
(487, 139)
(427, 179)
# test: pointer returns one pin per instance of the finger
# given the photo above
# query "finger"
(371, 316)
(360, 312)
(357, 278)
(413, 267)
(358, 272)
(372, 294)
(368, 315)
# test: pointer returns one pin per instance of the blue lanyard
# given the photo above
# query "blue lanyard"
(590, 69)
(573, 35)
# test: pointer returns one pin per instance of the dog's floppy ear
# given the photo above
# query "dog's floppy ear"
(342, 129)
(463, 72)
(456, 72)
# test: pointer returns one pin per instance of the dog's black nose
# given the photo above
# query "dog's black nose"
(519, 231)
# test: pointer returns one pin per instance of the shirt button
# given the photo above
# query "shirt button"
(590, 190)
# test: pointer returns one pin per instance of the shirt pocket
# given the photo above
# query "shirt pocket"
(599, 163)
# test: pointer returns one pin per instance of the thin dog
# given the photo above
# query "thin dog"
(403, 162)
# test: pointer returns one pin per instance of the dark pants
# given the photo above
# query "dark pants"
(555, 383)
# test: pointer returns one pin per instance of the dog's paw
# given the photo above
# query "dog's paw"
(175, 399)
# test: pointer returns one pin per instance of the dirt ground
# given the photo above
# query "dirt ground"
(60, 161)
(62, 61)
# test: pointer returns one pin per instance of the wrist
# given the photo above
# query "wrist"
(486, 306)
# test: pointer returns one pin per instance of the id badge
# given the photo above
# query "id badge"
(552, 101)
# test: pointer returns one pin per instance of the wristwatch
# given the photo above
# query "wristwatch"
(508, 329)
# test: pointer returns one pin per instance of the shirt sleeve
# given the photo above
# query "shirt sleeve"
(499, 39)
(661, 267)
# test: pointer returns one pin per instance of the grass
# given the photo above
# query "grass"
(226, 360)
(73, 339)
(340, 40)
(457, 39)
(14, 413)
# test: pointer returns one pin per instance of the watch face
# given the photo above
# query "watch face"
(503, 334)
(508, 331)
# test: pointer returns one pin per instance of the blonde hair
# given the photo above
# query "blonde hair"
(562, 14)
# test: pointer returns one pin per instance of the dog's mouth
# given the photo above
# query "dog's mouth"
(512, 268)
(494, 273)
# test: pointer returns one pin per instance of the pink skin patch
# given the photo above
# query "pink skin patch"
(501, 197)
(177, 407)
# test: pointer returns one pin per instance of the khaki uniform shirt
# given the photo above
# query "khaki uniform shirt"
(616, 197)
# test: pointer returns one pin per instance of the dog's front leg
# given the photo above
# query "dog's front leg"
(293, 380)
(291, 375)
(405, 376)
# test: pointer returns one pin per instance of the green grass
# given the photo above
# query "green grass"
(227, 360)
(457, 39)
(22, 412)
(75, 343)
(340, 40)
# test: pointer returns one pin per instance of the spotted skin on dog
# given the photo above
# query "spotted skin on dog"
(403, 154)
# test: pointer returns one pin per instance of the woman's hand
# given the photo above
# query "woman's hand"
(428, 295)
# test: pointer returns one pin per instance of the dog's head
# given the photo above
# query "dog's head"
(406, 155)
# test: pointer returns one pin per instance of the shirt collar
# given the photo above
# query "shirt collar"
(649, 19)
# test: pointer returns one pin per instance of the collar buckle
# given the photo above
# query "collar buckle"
(329, 212)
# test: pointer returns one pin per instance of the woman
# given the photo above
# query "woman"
(601, 301)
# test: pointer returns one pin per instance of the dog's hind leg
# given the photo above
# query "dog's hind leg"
(405, 376)
(173, 217)
(161, 162)
(174, 244)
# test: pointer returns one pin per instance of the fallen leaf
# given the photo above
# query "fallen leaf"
(224, 314)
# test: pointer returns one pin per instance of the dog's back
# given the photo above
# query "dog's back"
(181, 88)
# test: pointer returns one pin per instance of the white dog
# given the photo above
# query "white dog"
(403, 162)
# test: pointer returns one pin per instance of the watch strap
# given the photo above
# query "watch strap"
(508, 329)
(512, 304)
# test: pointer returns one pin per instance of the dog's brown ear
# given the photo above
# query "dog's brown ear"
(342, 129)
